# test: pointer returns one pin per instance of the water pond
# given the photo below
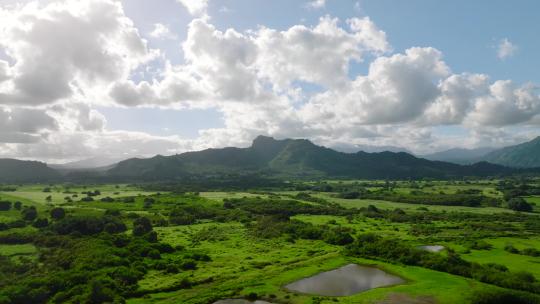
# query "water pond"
(432, 248)
(345, 281)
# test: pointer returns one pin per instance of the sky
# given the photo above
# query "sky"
(81, 79)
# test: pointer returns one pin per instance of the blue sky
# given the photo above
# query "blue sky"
(467, 32)
(145, 77)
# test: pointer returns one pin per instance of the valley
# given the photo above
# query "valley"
(154, 244)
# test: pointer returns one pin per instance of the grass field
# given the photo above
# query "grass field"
(242, 263)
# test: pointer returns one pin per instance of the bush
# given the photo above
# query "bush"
(519, 204)
(29, 214)
(40, 223)
(504, 297)
(58, 213)
(141, 226)
(511, 249)
(531, 252)
(5, 205)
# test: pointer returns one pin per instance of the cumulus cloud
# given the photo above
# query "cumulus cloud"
(195, 7)
(397, 89)
(316, 4)
(161, 31)
(506, 104)
(230, 66)
(64, 58)
(65, 49)
(506, 49)
(320, 54)
(21, 125)
(457, 94)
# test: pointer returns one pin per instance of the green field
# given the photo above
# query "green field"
(207, 246)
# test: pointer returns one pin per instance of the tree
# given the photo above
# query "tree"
(58, 213)
(40, 223)
(5, 205)
(17, 205)
(29, 214)
(141, 226)
(519, 204)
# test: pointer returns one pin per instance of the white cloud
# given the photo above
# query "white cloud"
(457, 95)
(320, 54)
(505, 104)
(316, 4)
(67, 57)
(21, 125)
(161, 31)
(397, 89)
(195, 7)
(67, 48)
(506, 49)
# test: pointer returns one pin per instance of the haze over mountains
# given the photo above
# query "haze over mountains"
(98, 162)
(295, 158)
(525, 155)
(287, 158)
(460, 155)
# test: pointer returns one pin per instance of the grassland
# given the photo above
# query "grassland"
(242, 264)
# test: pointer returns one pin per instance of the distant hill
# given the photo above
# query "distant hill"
(459, 155)
(525, 155)
(89, 163)
(19, 171)
(350, 148)
(266, 158)
(295, 158)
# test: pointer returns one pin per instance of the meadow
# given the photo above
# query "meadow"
(138, 244)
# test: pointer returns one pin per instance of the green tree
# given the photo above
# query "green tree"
(29, 214)
(141, 226)
(519, 204)
(58, 213)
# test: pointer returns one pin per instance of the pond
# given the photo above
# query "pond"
(345, 281)
(432, 248)
(240, 301)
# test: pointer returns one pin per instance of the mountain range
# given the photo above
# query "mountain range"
(284, 159)
(525, 155)
(460, 155)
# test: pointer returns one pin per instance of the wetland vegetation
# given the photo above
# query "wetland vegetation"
(327, 241)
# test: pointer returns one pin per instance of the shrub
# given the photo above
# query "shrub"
(531, 252)
(5, 205)
(29, 214)
(141, 226)
(511, 249)
(40, 223)
(519, 204)
(58, 213)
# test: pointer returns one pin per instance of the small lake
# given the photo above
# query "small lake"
(240, 301)
(345, 281)
(432, 248)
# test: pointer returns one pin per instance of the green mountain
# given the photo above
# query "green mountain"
(294, 158)
(15, 171)
(525, 155)
(459, 155)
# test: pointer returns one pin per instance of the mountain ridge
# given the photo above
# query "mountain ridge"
(524, 155)
(297, 158)
(267, 157)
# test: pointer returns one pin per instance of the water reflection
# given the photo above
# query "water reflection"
(345, 281)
